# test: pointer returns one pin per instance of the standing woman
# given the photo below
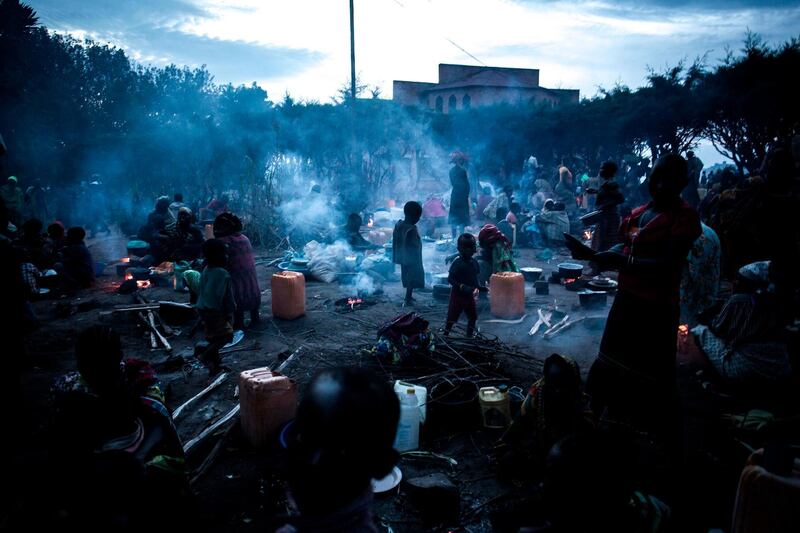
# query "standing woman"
(459, 197)
(242, 267)
(634, 376)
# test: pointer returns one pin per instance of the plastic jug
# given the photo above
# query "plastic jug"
(400, 387)
(268, 400)
(408, 427)
(507, 294)
(208, 231)
(495, 406)
(288, 295)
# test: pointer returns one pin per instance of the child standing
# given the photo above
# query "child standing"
(215, 304)
(407, 250)
(463, 279)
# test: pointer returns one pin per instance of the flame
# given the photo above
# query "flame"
(125, 260)
(683, 329)
(370, 223)
(352, 302)
(142, 284)
(587, 235)
(567, 281)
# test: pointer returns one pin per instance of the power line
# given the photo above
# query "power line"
(399, 3)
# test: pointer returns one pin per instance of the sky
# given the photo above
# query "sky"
(303, 46)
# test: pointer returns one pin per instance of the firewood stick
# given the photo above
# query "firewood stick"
(152, 320)
(214, 384)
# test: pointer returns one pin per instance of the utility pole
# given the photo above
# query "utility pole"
(352, 54)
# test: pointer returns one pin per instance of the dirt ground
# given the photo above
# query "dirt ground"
(242, 489)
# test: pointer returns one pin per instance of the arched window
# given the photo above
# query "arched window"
(466, 102)
(439, 104)
(452, 103)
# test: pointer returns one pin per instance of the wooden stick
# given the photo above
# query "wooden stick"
(214, 384)
(151, 319)
(563, 327)
(211, 429)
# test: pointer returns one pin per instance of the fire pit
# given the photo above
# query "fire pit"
(352, 303)
(573, 284)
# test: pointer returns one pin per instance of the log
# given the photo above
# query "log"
(151, 319)
(214, 384)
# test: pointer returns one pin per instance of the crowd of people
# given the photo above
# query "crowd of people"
(671, 233)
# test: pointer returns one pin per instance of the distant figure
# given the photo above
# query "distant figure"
(13, 197)
(341, 438)
(407, 250)
(505, 225)
(484, 199)
(241, 265)
(459, 196)
(463, 279)
(690, 193)
(552, 223)
(433, 214)
(215, 304)
(177, 203)
(157, 220)
(496, 255)
(503, 201)
(180, 241)
(353, 235)
(77, 266)
(36, 201)
(701, 275)
(564, 192)
(608, 200)
(217, 206)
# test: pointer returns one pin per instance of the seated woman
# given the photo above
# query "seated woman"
(550, 224)
(77, 265)
(353, 234)
(116, 452)
(744, 343)
(181, 241)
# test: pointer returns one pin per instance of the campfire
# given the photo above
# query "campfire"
(125, 260)
(587, 234)
(352, 303)
(572, 284)
(142, 284)
(683, 330)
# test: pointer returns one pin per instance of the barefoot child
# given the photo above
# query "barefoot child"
(463, 279)
(215, 304)
(407, 250)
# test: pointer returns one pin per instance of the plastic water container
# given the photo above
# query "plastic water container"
(268, 400)
(400, 387)
(208, 231)
(288, 295)
(408, 428)
(507, 294)
(495, 406)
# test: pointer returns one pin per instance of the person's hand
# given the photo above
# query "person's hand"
(610, 260)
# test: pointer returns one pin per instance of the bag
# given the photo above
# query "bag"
(404, 339)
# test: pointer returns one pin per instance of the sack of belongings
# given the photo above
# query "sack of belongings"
(404, 339)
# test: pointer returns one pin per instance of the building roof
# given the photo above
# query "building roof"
(491, 77)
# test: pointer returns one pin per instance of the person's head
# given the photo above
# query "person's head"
(562, 379)
(549, 204)
(341, 438)
(669, 177)
(467, 245)
(564, 175)
(559, 206)
(508, 190)
(162, 204)
(690, 154)
(608, 169)
(316, 188)
(487, 191)
(178, 197)
(515, 208)
(32, 228)
(354, 222)
(412, 212)
(753, 277)
(185, 217)
(215, 253)
(226, 224)
(502, 212)
(56, 231)
(75, 235)
(458, 158)
(98, 352)
(11, 181)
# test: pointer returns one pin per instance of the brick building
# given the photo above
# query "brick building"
(465, 87)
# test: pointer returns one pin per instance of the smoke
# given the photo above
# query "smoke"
(363, 285)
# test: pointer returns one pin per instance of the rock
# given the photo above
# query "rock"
(436, 498)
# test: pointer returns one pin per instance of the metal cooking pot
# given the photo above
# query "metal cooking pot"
(570, 270)
(531, 274)
(590, 298)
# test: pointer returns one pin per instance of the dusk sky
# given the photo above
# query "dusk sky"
(303, 47)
